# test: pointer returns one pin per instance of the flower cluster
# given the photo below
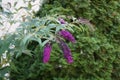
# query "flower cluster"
(47, 51)
(66, 51)
(67, 35)
(63, 46)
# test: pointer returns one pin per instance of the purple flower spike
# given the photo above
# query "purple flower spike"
(62, 21)
(67, 35)
(46, 52)
(66, 51)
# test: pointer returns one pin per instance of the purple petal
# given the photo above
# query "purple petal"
(62, 21)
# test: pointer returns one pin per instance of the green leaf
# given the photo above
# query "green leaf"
(59, 27)
(3, 71)
(36, 39)
(13, 67)
(52, 25)
(24, 41)
(45, 42)
(19, 53)
(28, 52)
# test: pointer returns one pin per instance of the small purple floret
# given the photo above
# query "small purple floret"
(62, 21)
(46, 52)
(67, 35)
(66, 51)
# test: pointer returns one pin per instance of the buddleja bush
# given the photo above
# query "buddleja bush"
(95, 53)
(47, 30)
(31, 37)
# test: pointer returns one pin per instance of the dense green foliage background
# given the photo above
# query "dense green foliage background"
(96, 53)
